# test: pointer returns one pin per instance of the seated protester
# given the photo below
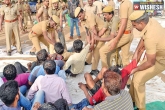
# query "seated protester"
(53, 86)
(60, 50)
(95, 88)
(19, 69)
(60, 104)
(1, 81)
(42, 56)
(47, 106)
(42, 53)
(115, 97)
(11, 98)
(75, 63)
(10, 73)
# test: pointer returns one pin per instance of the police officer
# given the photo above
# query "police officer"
(39, 33)
(10, 14)
(42, 13)
(153, 38)
(90, 7)
(124, 36)
(110, 27)
(27, 14)
(94, 24)
(56, 10)
(38, 5)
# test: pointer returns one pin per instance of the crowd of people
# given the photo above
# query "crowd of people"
(41, 84)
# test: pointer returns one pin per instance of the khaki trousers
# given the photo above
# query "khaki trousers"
(36, 42)
(137, 88)
(95, 54)
(11, 28)
(124, 43)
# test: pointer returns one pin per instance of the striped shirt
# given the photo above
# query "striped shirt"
(121, 101)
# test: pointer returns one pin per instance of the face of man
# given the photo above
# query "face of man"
(107, 16)
(81, 16)
(52, 24)
(7, 2)
(55, 5)
(90, 2)
(46, 3)
(138, 26)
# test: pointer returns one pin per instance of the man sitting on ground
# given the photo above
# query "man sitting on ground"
(53, 86)
(59, 49)
(11, 97)
(10, 73)
(115, 97)
(77, 60)
(42, 56)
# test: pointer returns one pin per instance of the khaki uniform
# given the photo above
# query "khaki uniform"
(27, 15)
(154, 38)
(125, 41)
(92, 8)
(90, 21)
(38, 6)
(112, 4)
(36, 35)
(57, 12)
(99, 5)
(45, 15)
(62, 5)
(11, 25)
(20, 9)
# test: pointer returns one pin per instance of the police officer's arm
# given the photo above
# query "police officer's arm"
(1, 18)
(20, 19)
(39, 13)
(150, 46)
(139, 50)
(61, 24)
(45, 34)
(50, 12)
(53, 36)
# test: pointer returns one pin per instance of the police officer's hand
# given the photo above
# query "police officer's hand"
(96, 38)
(113, 44)
(91, 47)
(133, 71)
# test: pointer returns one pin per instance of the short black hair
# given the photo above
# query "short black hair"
(61, 104)
(42, 55)
(115, 69)
(49, 66)
(112, 12)
(10, 72)
(77, 45)
(47, 106)
(59, 48)
(8, 92)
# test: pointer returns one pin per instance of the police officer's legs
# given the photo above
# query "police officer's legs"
(137, 88)
(36, 44)
(8, 34)
(89, 58)
(125, 39)
(17, 37)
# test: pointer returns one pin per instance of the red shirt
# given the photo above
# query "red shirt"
(99, 96)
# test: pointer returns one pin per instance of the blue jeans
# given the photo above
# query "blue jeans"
(62, 74)
(80, 105)
(24, 102)
(23, 89)
(59, 63)
(74, 21)
(39, 97)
